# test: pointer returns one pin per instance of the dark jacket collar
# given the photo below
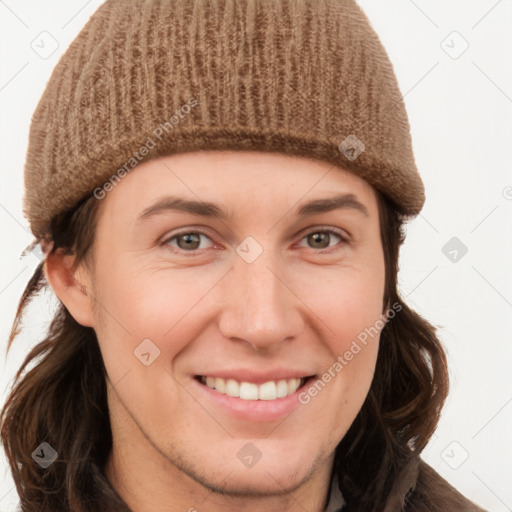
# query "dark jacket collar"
(396, 500)
(417, 488)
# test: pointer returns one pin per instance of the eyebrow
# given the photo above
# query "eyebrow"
(208, 209)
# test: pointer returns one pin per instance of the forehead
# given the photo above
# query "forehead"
(236, 182)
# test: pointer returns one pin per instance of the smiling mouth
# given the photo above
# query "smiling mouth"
(271, 390)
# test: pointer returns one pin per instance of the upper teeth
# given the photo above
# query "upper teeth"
(249, 391)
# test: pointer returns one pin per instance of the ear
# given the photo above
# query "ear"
(71, 285)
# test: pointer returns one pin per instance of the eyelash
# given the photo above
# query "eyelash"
(332, 231)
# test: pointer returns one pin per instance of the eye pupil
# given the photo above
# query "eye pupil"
(317, 237)
(189, 237)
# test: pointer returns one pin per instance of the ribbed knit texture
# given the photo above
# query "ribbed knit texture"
(293, 76)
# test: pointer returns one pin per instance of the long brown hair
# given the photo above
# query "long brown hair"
(62, 400)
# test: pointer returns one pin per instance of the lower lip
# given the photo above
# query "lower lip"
(253, 410)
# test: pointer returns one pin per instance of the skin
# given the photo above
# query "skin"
(294, 306)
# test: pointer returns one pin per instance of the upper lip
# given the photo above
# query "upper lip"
(257, 377)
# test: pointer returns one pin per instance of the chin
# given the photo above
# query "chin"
(275, 473)
(252, 482)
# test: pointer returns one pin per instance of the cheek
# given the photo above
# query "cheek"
(352, 307)
(155, 305)
(352, 312)
(341, 388)
(148, 313)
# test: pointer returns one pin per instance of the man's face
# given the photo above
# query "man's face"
(254, 303)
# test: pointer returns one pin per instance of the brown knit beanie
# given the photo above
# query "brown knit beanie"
(147, 78)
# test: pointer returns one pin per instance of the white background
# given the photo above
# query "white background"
(460, 113)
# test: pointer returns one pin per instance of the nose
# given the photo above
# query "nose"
(260, 308)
